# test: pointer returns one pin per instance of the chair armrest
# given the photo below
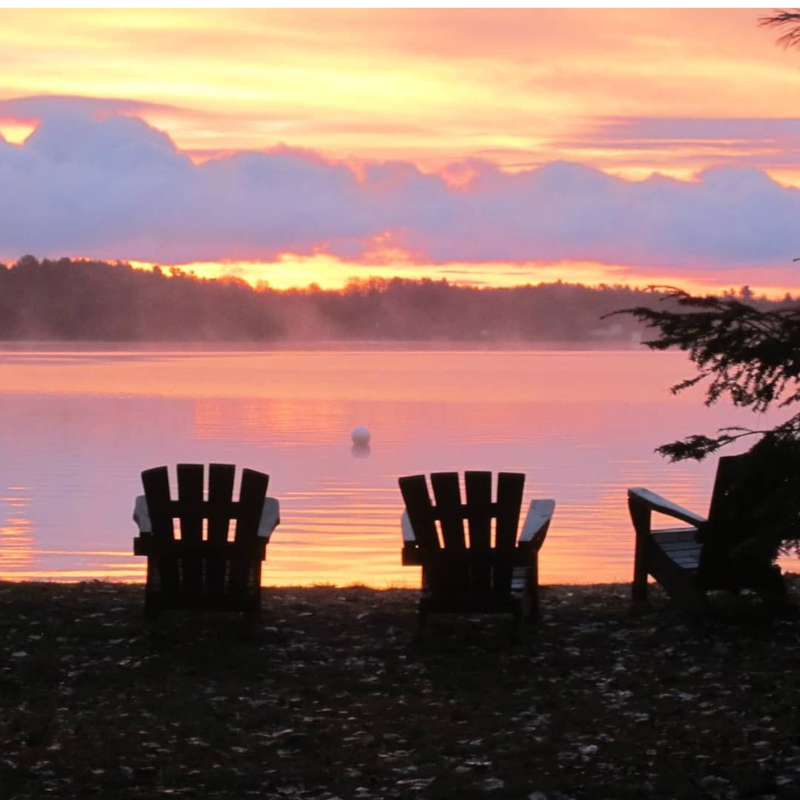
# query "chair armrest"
(408, 531)
(537, 521)
(270, 517)
(655, 502)
(141, 514)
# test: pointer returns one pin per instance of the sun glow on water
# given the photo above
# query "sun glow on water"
(581, 425)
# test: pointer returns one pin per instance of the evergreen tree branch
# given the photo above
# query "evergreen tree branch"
(747, 355)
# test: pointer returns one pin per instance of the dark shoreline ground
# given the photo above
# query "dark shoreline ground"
(332, 698)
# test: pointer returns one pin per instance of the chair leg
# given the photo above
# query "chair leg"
(532, 609)
(151, 613)
(771, 587)
(422, 620)
(518, 625)
(641, 517)
(150, 610)
(639, 586)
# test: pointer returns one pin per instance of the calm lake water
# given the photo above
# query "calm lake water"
(77, 428)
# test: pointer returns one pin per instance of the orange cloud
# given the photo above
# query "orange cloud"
(425, 85)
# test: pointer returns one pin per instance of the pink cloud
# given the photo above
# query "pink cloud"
(118, 188)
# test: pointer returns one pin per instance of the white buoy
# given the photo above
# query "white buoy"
(361, 436)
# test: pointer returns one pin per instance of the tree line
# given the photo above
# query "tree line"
(83, 300)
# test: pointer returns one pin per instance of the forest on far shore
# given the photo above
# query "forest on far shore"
(81, 300)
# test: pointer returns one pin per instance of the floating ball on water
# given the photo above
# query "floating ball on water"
(360, 436)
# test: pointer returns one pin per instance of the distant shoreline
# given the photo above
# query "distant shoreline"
(95, 301)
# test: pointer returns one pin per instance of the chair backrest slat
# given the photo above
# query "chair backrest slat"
(219, 510)
(251, 502)
(190, 501)
(190, 511)
(479, 509)
(449, 510)
(479, 517)
(510, 486)
(159, 504)
(420, 511)
(220, 499)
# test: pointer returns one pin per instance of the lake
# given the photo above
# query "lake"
(78, 426)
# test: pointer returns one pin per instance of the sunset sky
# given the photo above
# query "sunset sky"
(493, 147)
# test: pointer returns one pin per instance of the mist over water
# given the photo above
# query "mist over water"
(77, 427)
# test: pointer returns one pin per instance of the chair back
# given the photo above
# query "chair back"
(202, 559)
(191, 507)
(454, 561)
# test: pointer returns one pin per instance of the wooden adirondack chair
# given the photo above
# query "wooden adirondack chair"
(478, 575)
(673, 556)
(186, 569)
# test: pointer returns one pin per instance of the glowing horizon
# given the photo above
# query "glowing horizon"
(302, 272)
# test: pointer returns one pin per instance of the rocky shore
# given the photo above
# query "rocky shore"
(332, 697)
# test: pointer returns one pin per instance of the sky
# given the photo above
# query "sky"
(492, 147)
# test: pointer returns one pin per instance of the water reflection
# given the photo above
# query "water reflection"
(77, 429)
(17, 549)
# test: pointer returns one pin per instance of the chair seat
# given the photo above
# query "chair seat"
(680, 545)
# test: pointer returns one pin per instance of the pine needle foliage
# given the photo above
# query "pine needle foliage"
(784, 20)
(748, 355)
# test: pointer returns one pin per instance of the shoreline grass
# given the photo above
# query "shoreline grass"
(331, 697)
